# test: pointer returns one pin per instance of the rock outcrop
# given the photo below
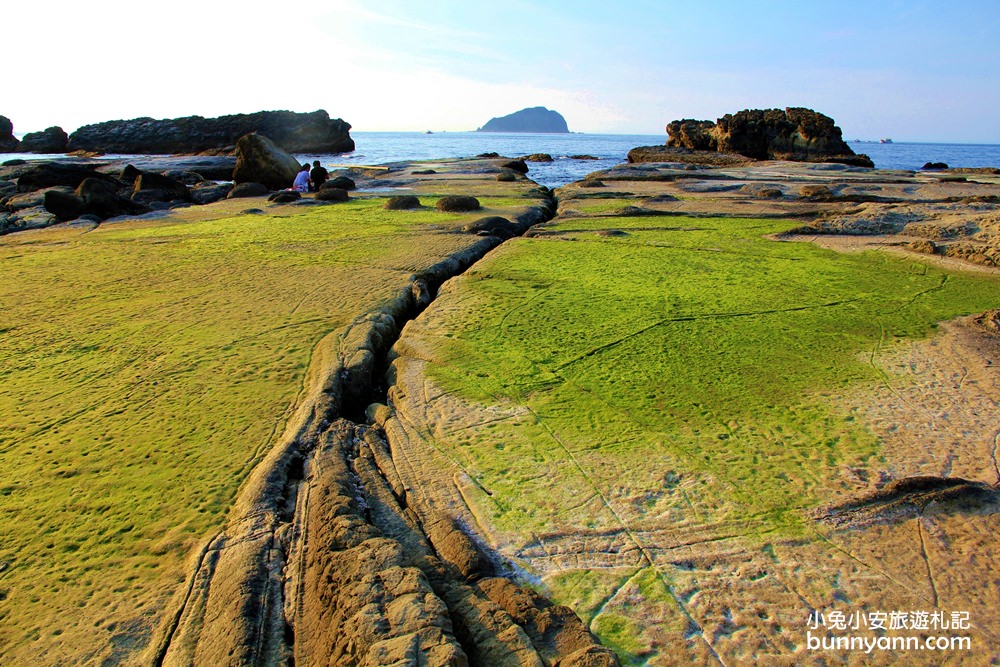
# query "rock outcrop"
(50, 140)
(796, 134)
(312, 132)
(535, 119)
(260, 160)
(8, 142)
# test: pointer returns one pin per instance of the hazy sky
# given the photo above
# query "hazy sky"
(910, 70)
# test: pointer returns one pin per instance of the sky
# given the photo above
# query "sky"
(910, 70)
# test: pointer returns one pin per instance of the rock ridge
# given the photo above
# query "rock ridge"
(795, 133)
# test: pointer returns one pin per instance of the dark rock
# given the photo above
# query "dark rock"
(493, 225)
(50, 140)
(260, 160)
(489, 155)
(284, 197)
(16, 162)
(129, 174)
(537, 157)
(935, 165)
(458, 204)
(507, 176)
(101, 198)
(341, 182)
(8, 142)
(332, 194)
(534, 119)
(794, 133)
(208, 192)
(186, 177)
(50, 174)
(424, 172)
(592, 183)
(295, 132)
(252, 211)
(516, 165)
(157, 187)
(583, 157)
(402, 203)
(248, 190)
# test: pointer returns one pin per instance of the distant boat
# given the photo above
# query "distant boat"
(885, 141)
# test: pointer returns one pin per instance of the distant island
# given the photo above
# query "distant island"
(535, 119)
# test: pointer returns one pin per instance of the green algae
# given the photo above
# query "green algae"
(694, 345)
(145, 368)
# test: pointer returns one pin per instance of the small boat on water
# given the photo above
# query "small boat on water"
(885, 141)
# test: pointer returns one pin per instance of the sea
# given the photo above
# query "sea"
(379, 148)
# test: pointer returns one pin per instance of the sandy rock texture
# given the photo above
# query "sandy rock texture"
(649, 549)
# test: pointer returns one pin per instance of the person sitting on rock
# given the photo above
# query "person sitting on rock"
(318, 176)
(301, 182)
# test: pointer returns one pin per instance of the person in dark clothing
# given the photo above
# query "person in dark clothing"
(318, 176)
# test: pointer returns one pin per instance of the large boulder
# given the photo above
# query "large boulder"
(260, 160)
(50, 140)
(8, 142)
(313, 132)
(794, 133)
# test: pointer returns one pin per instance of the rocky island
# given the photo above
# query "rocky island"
(795, 134)
(534, 120)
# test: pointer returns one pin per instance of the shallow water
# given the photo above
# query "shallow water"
(383, 147)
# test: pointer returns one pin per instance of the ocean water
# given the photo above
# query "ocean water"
(376, 148)
(383, 147)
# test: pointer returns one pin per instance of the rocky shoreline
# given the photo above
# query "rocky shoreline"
(313, 132)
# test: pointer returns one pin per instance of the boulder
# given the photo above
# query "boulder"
(537, 157)
(8, 142)
(260, 160)
(248, 190)
(516, 165)
(64, 205)
(313, 132)
(934, 166)
(129, 174)
(208, 192)
(794, 133)
(150, 187)
(50, 140)
(332, 194)
(284, 197)
(101, 198)
(458, 204)
(341, 182)
(402, 203)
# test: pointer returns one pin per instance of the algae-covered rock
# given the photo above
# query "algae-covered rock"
(458, 204)
(260, 160)
(402, 203)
